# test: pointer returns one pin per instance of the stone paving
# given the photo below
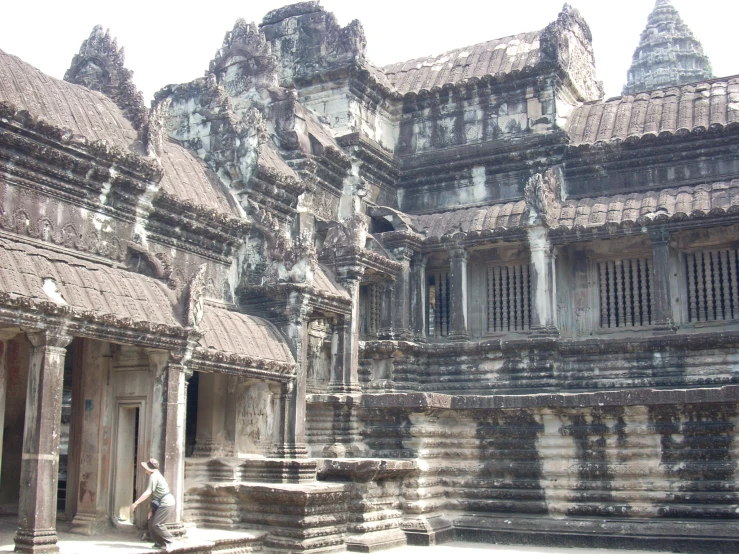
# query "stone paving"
(120, 542)
(477, 548)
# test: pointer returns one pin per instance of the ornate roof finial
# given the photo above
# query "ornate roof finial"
(668, 53)
(99, 66)
(247, 47)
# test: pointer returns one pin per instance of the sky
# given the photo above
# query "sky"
(173, 42)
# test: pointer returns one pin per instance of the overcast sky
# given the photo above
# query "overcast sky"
(173, 42)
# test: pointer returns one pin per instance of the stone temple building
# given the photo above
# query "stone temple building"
(352, 307)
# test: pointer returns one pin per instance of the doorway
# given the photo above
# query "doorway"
(128, 473)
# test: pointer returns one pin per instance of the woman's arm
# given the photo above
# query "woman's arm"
(144, 496)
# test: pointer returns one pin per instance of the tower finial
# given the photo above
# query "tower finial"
(99, 66)
(668, 54)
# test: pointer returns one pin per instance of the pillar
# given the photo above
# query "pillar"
(169, 408)
(40, 459)
(339, 329)
(542, 282)
(349, 343)
(174, 432)
(401, 307)
(417, 293)
(211, 438)
(280, 394)
(387, 306)
(91, 486)
(158, 361)
(293, 400)
(663, 320)
(458, 294)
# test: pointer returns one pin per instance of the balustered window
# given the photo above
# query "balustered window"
(509, 298)
(713, 289)
(369, 306)
(625, 293)
(437, 304)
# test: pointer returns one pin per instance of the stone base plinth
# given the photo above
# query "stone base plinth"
(376, 541)
(428, 531)
(36, 540)
(89, 524)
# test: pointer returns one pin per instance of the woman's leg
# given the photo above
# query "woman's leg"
(158, 531)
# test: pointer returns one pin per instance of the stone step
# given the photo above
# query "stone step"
(211, 541)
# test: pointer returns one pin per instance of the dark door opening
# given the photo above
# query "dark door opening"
(126, 460)
(61, 491)
(191, 418)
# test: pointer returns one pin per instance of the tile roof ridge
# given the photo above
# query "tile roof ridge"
(712, 81)
(384, 68)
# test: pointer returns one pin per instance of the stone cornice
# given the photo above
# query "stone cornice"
(422, 401)
(316, 298)
(24, 312)
(565, 347)
(204, 359)
(357, 257)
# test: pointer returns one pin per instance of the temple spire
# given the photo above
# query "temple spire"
(99, 66)
(668, 53)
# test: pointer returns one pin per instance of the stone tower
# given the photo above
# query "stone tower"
(668, 53)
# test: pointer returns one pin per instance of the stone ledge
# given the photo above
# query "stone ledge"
(658, 534)
(630, 397)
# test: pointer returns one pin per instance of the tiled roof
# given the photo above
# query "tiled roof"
(323, 280)
(673, 110)
(187, 178)
(237, 333)
(96, 117)
(624, 209)
(46, 276)
(499, 216)
(271, 160)
(674, 203)
(84, 112)
(495, 57)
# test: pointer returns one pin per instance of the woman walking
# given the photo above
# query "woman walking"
(162, 504)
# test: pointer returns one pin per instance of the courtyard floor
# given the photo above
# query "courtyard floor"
(119, 543)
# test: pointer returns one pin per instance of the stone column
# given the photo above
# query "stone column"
(211, 438)
(663, 319)
(40, 459)
(158, 361)
(542, 282)
(5, 336)
(401, 307)
(174, 431)
(458, 294)
(350, 342)
(418, 296)
(296, 332)
(90, 383)
(387, 306)
(280, 395)
(339, 329)
(169, 405)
